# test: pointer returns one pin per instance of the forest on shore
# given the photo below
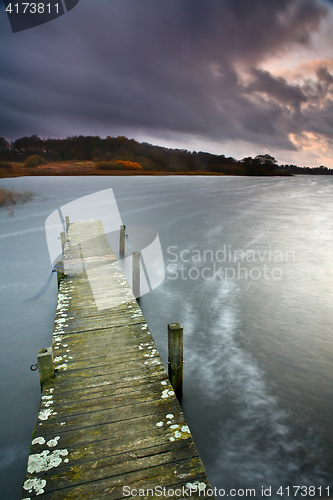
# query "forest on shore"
(120, 154)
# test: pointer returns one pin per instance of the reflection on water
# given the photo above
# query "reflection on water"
(258, 378)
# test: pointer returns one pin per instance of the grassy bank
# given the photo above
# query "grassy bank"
(91, 168)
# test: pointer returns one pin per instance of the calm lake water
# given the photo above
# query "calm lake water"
(249, 276)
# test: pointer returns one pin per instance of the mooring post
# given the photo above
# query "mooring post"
(175, 357)
(60, 271)
(63, 240)
(136, 273)
(67, 223)
(122, 241)
(45, 365)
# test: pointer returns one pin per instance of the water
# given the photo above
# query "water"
(248, 275)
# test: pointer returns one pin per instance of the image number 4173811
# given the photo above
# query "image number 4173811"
(26, 15)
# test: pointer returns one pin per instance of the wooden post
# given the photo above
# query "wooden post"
(175, 357)
(67, 223)
(122, 241)
(60, 271)
(63, 240)
(136, 273)
(45, 365)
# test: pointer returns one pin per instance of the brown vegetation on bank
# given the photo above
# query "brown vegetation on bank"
(85, 168)
(9, 197)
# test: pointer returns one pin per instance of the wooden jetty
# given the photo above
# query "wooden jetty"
(109, 424)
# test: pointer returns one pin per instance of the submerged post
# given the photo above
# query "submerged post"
(122, 241)
(67, 223)
(45, 365)
(175, 357)
(136, 273)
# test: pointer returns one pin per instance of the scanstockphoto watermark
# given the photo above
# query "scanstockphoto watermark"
(227, 263)
(200, 489)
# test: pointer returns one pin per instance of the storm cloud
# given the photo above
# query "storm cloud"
(168, 68)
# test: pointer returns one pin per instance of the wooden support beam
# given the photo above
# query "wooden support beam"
(60, 271)
(122, 241)
(175, 357)
(63, 240)
(45, 365)
(136, 273)
(67, 223)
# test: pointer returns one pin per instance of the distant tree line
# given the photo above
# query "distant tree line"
(114, 150)
(307, 170)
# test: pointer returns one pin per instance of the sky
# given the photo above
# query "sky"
(232, 77)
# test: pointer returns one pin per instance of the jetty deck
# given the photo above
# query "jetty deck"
(109, 424)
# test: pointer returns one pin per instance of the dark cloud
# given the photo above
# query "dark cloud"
(324, 75)
(277, 88)
(166, 67)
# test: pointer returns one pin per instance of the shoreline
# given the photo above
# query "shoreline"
(84, 168)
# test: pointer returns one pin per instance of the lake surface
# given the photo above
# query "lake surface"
(249, 276)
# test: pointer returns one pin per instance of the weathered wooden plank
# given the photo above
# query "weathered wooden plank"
(94, 323)
(108, 365)
(95, 387)
(146, 480)
(104, 465)
(118, 381)
(77, 350)
(110, 417)
(116, 432)
(109, 404)
(134, 337)
(111, 371)
(104, 391)
(52, 418)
